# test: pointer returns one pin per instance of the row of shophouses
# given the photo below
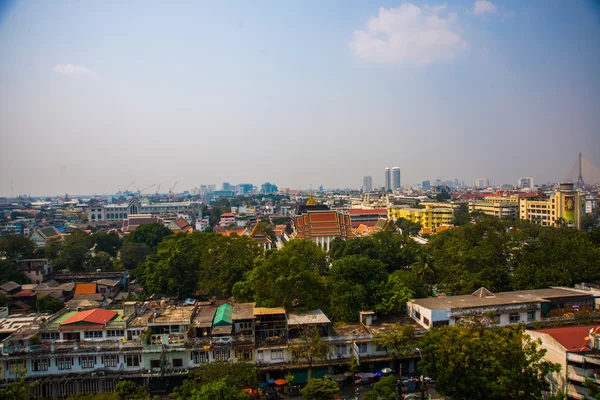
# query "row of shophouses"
(156, 345)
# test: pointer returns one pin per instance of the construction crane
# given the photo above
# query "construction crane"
(140, 191)
(158, 189)
(126, 187)
(171, 194)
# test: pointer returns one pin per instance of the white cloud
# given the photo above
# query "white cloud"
(409, 34)
(484, 7)
(70, 69)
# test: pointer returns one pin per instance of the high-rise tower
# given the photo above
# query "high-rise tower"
(395, 178)
(368, 183)
(388, 180)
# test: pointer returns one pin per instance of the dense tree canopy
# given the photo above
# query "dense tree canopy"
(9, 271)
(109, 243)
(320, 389)
(286, 277)
(133, 254)
(16, 247)
(473, 361)
(239, 376)
(149, 234)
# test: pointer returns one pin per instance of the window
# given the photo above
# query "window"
(441, 323)
(245, 325)
(178, 362)
(132, 360)
(87, 362)
(222, 355)
(92, 334)
(514, 318)
(49, 336)
(154, 364)
(174, 328)
(243, 354)
(426, 321)
(64, 363)
(362, 347)
(110, 361)
(531, 316)
(340, 350)
(259, 355)
(276, 354)
(114, 333)
(199, 357)
(16, 367)
(418, 315)
(39, 365)
(379, 348)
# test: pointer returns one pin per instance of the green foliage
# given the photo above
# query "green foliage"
(4, 300)
(100, 260)
(128, 390)
(443, 195)
(559, 257)
(309, 347)
(356, 286)
(73, 253)
(385, 389)
(149, 234)
(208, 262)
(49, 305)
(471, 256)
(16, 247)
(133, 254)
(19, 390)
(397, 342)
(461, 360)
(109, 243)
(239, 376)
(320, 389)
(288, 277)
(9, 271)
(408, 228)
(221, 390)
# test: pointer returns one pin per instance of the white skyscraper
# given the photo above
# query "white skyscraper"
(525, 182)
(395, 178)
(388, 180)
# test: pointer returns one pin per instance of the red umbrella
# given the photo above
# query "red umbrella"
(280, 382)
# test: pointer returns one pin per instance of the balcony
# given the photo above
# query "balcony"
(243, 339)
(576, 373)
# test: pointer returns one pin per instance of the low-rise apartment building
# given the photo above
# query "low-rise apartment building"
(566, 205)
(430, 218)
(89, 351)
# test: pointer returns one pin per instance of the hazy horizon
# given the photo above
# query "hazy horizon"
(94, 95)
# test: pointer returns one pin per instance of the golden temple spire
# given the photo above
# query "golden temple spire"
(311, 200)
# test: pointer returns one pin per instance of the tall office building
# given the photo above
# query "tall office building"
(368, 183)
(426, 185)
(388, 180)
(395, 178)
(525, 183)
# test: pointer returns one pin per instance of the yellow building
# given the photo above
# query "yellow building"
(504, 208)
(428, 217)
(566, 205)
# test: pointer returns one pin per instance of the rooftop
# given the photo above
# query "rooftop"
(94, 316)
(204, 317)
(243, 311)
(307, 317)
(268, 310)
(85, 288)
(174, 315)
(517, 297)
(572, 338)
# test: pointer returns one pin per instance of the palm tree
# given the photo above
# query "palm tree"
(422, 267)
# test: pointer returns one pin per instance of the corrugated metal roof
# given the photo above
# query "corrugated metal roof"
(224, 315)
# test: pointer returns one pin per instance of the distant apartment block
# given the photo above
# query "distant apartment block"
(119, 212)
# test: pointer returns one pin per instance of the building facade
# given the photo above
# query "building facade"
(119, 212)
(565, 206)
(387, 180)
(525, 182)
(368, 183)
(396, 183)
(429, 217)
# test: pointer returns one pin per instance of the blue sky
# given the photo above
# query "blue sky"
(94, 95)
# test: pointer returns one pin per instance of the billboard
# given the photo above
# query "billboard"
(569, 212)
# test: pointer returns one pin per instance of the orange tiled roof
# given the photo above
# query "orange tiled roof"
(85, 288)
(94, 316)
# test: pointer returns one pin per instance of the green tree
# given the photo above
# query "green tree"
(19, 390)
(149, 234)
(491, 363)
(356, 286)
(133, 254)
(309, 347)
(394, 295)
(320, 389)
(221, 390)
(109, 243)
(408, 228)
(559, 257)
(9, 271)
(239, 376)
(128, 390)
(49, 305)
(422, 267)
(100, 260)
(385, 389)
(16, 247)
(287, 277)
(397, 342)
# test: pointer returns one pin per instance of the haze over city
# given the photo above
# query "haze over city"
(94, 95)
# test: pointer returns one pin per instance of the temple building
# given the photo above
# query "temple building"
(317, 222)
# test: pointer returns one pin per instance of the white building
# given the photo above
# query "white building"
(118, 212)
(525, 182)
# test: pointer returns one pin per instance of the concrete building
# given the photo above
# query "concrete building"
(566, 206)
(525, 182)
(499, 207)
(430, 218)
(368, 183)
(396, 182)
(523, 306)
(35, 269)
(426, 185)
(387, 180)
(577, 350)
(119, 212)
(42, 236)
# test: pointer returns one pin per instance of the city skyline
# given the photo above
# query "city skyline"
(96, 95)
